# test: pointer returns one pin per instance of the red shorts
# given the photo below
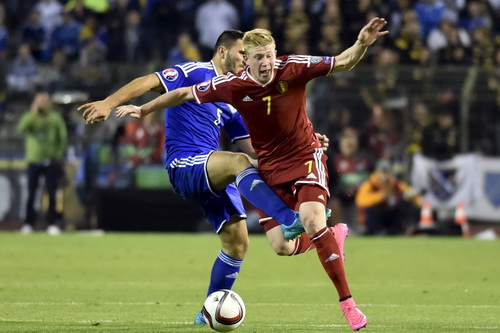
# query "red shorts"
(306, 180)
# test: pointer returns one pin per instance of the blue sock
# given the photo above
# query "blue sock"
(259, 194)
(224, 272)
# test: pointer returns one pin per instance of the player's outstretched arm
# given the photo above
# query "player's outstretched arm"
(367, 36)
(98, 111)
(167, 100)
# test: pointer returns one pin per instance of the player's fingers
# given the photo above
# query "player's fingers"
(83, 107)
(87, 113)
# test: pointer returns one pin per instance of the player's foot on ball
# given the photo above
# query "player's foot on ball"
(293, 230)
(340, 232)
(200, 320)
(355, 318)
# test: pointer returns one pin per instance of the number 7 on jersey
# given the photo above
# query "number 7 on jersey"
(268, 100)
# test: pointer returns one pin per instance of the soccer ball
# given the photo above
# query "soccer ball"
(224, 310)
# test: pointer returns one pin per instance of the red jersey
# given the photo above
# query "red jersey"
(275, 112)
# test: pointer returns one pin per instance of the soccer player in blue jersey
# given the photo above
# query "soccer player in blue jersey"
(199, 172)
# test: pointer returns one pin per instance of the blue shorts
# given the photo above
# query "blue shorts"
(189, 179)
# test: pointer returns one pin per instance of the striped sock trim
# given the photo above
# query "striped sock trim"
(248, 171)
(320, 235)
(230, 260)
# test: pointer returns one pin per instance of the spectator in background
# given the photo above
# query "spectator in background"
(419, 119)
(160, 17)
(45, 145)
(4, 35)
(449, 44)
(50, 16)
(440, 138)
(78, 10)
(91, 71)
(92, 30)
(476, 16)
(330, 41)
(408, 41)
(33, 34)
(115, 24)
(379, 137)
(386, 205)
(53, 75)
(296, 25)
(213, 17)
(142, 142)
(397, 11)
(22, 76)
(351, 166)
(483, 47)
(65, 37)
(429, 14)
(185, 50)
(132, 37)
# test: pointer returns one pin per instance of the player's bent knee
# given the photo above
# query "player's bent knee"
(283, 248)
(241, 161)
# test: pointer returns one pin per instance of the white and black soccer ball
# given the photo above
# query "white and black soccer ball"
(224, 310)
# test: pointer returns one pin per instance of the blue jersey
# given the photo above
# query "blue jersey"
(192, 133)
(191, 128)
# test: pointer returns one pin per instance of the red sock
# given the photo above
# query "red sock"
(329, 255)
(302, 244)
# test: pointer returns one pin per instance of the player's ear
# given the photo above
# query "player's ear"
(221, 50)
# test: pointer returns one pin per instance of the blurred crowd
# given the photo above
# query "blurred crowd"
(394, 112)
(171, 31)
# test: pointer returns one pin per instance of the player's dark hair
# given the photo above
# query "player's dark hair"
(227, 38)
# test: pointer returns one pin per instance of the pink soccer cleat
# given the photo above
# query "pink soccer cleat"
(340, 232)
(355, 318)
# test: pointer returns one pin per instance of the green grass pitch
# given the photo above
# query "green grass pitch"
(124, 282)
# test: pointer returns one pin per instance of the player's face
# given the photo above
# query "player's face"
(235, 61)
(261, 59)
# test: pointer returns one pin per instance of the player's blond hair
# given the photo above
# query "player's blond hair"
(257, 37)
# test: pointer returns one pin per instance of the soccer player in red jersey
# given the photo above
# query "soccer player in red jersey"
(270, 94)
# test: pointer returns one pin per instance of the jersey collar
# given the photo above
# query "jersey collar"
(215, 68)
(254, 80)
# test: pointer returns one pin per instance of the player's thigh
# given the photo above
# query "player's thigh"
(234, 237)
(224, 166)
(279, 243)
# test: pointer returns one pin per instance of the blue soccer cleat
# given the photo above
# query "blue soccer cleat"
(294, 230)
(200, 320)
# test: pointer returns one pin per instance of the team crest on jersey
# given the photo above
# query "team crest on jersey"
(282, 86)
(316, 60)
(170, 74)
(203, 86)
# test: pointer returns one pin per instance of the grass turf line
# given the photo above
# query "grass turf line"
(125, 282)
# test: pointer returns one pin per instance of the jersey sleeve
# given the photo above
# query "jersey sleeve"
(172, 78)
(235, 127)
(315, 66)
(307, 67)
(215, 90)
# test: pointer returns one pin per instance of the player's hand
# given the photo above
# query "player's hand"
(95, 112)
(371, 32)
(131, 110)
(323, 139)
